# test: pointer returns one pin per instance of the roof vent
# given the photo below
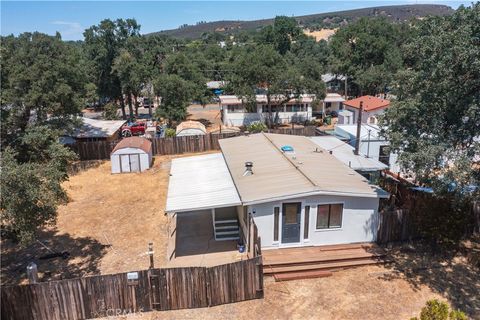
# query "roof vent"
(248, 168)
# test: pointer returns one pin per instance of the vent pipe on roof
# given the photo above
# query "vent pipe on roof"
(248, 168)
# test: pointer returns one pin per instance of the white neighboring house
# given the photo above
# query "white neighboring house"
(297, 193)
(190, 128)
(332, 102)
(372, 108)
(371, 144)
(132, 154)
(235, 113)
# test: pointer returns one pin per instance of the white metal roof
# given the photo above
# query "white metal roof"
(367, 130)
(345, 153)
(333, 97)
(200, 182)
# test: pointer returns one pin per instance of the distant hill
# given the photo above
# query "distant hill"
(314, 21)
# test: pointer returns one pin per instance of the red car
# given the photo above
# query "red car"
(134, 129)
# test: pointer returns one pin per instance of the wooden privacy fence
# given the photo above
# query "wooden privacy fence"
(97, 150)
(134, 292)
(396, 225)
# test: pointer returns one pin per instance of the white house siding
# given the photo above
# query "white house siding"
(366, 115)
(359, 221)
(237, 119)
(119, 166)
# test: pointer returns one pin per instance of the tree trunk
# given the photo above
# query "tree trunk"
(122, 104)
(136, 105)
(130, 106)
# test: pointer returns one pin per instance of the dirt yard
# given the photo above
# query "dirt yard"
(110, 220)
(209, 115)
(106, 226)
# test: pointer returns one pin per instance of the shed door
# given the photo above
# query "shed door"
(125, 162)
(134, 162)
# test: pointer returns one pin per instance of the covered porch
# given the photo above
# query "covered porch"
(204, 238)
(206, 222)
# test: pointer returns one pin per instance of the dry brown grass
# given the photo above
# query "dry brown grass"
(106, 226)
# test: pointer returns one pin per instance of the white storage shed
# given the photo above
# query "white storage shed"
(132, 154)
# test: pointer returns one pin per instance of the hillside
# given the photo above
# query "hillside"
(314, 21)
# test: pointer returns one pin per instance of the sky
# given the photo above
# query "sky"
(71, 18)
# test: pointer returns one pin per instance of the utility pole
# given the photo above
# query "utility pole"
(359, 129)
(346, 88)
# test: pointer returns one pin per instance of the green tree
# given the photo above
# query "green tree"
(175, 94)
(103, 44)
(281, 34)
(368, 51)
(264, 69)
(31, 176)
(435, 123)
(40, 81)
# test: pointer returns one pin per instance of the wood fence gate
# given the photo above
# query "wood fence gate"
(135, 292)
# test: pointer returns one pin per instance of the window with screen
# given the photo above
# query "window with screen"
(329, 216)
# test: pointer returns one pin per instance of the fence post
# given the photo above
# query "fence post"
(32, 273)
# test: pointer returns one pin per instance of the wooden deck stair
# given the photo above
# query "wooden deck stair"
(314, 262)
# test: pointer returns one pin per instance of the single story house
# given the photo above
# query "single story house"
(372, 108)
(372, 145)
(132, 154)
(235, 113)
(94, 130)
(368, 167)
(297, 193)
(190, 128)
(332, 102)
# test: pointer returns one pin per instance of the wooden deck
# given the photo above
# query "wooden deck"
(312, 262)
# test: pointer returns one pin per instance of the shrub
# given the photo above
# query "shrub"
(170, 133)
(256, 127)
(437, 310)
(110, 111)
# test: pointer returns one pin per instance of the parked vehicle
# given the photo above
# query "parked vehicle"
(134, 129)
(147, 103)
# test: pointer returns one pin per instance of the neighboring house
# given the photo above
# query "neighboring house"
(235, 112)
(332, 102)
(94, 130)
(371, 144)
(334, 83)
(190, 128)
(132, 154)
(367, 167)
(372, 108)
(297, 193)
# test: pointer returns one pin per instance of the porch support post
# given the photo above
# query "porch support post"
(213, 222)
